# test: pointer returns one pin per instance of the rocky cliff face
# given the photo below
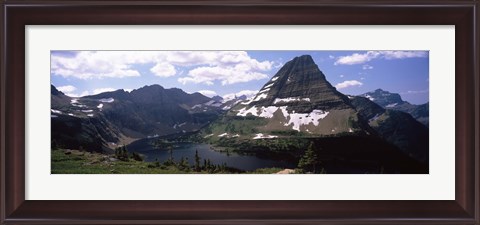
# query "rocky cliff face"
(301, 86)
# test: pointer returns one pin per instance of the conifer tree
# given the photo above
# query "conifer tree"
(309, 160)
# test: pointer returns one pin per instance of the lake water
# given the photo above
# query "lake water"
(242, 162)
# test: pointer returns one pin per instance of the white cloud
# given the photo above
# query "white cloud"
(277, 65)
(367, 67)
(331, 57)
(69, 91)
(357, 58)
(67, 88)
(228, 67)
(248, 93)
(128, 89)
(96, 64)
(415, 92)
(348, 83)
(163, 69)
(341, 75)
(208, 93)
(101, 90)
(227, 75)
(73, 95)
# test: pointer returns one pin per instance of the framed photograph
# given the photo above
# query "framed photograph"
(303, 112)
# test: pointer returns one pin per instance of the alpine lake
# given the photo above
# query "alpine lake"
(187, 150)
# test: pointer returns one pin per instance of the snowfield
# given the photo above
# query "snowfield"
(294, 119)
(298, 119)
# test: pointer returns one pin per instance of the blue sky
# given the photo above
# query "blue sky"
(80, 73)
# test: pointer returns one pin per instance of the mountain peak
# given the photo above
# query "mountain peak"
(304, 58)
(383, 98)
(302, 86)
(55, 91)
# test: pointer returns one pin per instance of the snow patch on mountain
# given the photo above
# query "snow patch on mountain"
(268, 111)
(196, 106)
(295, 119)
(268, 86)
(245, 112)
(264, 90)
(369, 97)
(107, 100)
(260, 97)
(275, 78)
(391, 105)
(291, 99)
(56, 111)
(222, 135)
(262, 136)
(249, 100)
(100, 106)
(298, 119)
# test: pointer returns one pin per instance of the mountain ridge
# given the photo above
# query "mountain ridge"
(394, 101)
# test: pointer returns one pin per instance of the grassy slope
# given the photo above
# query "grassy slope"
(80, 162)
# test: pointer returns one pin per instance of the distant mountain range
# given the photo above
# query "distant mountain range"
(393, 101)
(297, 102)
(112, 118)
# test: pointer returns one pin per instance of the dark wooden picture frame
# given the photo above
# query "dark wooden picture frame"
(16, 14)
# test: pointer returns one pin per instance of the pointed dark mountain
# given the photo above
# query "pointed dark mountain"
(302, 86)
(394, 101)
(297, 98)
(58, 98)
